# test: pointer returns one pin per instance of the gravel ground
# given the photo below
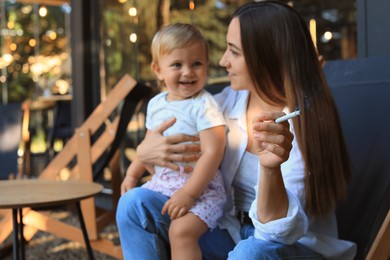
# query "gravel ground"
(48, 246)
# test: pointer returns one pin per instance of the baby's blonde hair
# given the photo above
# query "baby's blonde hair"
(175, 36)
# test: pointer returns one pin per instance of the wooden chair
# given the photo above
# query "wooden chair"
(380, 246)
(89, 143)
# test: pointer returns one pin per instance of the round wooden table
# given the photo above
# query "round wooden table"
(19, 194)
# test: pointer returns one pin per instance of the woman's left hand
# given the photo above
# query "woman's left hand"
(273, 142)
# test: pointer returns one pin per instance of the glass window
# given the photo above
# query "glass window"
(333, 26)
(35, 61)
(129, 25)
(35, 49)
(35, 38)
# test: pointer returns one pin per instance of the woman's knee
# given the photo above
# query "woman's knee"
(253, 248)
(140, 204)
(129, 200)
(131, 203)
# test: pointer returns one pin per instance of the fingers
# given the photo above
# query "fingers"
(174, 209)
(180, 153)
(164, 126)
(175, 138)
(188, 169)
(165, 207)
(182, 212)
(174, 213)
(124, 189)
(178, 212)
(271, 134)
(276, 138)
(268, 116)
(181, 138)
(169, 161)
(168, 208)
(280, 151)
(177, 157)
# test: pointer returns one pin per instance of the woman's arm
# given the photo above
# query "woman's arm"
(212, 150)
(160, 150)
(273, 143)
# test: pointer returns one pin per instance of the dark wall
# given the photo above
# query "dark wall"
(373, 23)
(361, 89)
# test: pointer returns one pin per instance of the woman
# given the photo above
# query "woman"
(299, 168)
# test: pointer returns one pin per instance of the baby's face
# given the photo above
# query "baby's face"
(184, 71)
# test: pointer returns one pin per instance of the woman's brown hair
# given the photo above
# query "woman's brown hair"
(283, 63)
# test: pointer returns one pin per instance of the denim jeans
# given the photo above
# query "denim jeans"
(256, 249)
(143, 234)
(143, 231)
(251, 248)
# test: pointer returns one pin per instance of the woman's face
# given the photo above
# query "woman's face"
(233, 59)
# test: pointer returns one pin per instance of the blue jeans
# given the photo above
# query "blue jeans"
(251, 248)
(143, 233)
(256, 249)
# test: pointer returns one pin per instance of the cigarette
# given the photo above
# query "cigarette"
(287, 117)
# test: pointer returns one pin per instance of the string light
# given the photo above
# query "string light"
(192, 8)
(13, 46)
(32, 42)
(328, 35)
(133, 11)
(43, 11)
(192, 5)
(133, 37)
(52, 34)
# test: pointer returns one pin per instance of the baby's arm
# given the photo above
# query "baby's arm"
(134, 172)
(212, 142)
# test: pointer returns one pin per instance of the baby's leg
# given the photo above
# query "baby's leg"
(184, 233)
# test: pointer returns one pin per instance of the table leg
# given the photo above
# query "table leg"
(84, 229)
(16, 233)
(21, 233)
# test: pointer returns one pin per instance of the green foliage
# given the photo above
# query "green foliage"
(23, 25)
(17, 90)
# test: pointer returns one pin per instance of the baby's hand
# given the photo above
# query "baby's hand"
(128, 183)
(178, 205)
